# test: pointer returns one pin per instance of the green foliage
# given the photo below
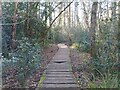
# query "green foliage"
(107, 50)
(25, 60)
(105, 80)
(58, 35)
(80, 37)
(105, 65)
(41, 80)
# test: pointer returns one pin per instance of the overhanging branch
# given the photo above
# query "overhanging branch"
(60, 14)
(46, 31)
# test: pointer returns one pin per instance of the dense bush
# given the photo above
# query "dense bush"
(105, 66)
(58, 35)
(25, 60)
(80, 37)
(106, 58)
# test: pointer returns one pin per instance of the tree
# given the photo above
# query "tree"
(69, 18)
(14, 19)
(46, 12)
(118, 36)
(60, 14)
(92, 28)
(50, 19)
(60, 17)
(27, 22)
(113, 16)
(0, 28)
(112, 36)
(64, 16)
(86, 16)
(76, 14)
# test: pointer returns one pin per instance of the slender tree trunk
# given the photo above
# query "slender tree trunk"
(46, 13)
(50, 19)
(64, 16)
(118, 38)
(0, 45)
(14, 26)
(0, 29)
(92, 28)
(31, 15)
(39, 11)
(107, 9)
(73, 18)
(113, 17)
(69, 17)
(76, 14)
(113, 32)
(60, 17)
(27, 22)
(86, 16)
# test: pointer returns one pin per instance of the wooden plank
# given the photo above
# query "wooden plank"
(59, 74)
(59, 85)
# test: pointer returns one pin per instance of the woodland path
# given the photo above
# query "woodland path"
(59, 71)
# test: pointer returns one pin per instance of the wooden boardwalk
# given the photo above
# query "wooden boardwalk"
(59, 71)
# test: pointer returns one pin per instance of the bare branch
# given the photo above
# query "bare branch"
(60, 13)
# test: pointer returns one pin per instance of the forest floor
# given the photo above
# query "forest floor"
(80, 66)
(32, 81)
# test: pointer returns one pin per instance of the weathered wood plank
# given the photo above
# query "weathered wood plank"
(59, 73)
(59, 85)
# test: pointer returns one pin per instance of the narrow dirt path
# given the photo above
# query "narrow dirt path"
(59, 71)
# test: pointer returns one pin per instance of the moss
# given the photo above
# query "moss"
(42, 78)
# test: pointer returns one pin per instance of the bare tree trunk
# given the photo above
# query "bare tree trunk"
(86, 16)
(14, 26)
(76, 14)
(113, 31)
(69, 19)
(0, 29)
(46, 4)
(50, 19)
(60, 17)
(107, 9)
(92, 28)
(27, 22)
(118, 38)
(113, 17)
(0, 46)
(68, 24)
(64, 16)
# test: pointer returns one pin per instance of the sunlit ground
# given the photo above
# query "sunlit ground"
(62, 46)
